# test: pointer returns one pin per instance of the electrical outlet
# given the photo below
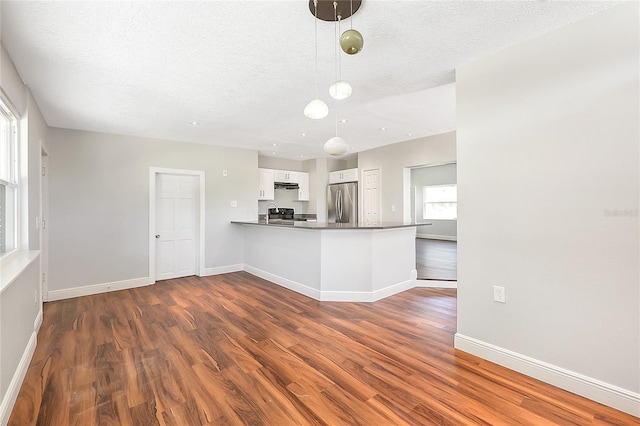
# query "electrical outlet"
(499, 294)
(224, 173)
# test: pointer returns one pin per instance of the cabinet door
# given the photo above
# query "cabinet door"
(334, 177)
(350, 175)
(303, 186)
(341, 176)
(286, 176)
(266, 185)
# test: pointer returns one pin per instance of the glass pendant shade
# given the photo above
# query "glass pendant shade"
(340, 90)
(316, 109)
(336, 146)
(351, 42)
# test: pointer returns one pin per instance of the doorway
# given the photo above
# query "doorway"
(176, 223)
(433, 199)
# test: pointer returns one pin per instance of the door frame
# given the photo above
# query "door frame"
(42, 223)
(153, 173)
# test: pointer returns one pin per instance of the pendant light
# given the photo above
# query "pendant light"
(340, 89)
(316, 109)
(336, 145)
(351, 40)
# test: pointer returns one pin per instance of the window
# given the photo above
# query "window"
(8, 179)
(440, 202)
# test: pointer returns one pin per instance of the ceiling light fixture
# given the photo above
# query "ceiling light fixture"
(340, 89)
(336, 145)
(316, 109)
(351, 40)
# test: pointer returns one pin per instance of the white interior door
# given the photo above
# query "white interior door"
(177, 206)
(371, 196)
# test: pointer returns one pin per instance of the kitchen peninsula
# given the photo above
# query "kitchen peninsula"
(333, 262)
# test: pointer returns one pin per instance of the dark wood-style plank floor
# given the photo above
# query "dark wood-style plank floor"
(436, 259)
(237, 350)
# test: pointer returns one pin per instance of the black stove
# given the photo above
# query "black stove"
(282, 214)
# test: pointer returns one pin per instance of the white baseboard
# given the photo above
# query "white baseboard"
(596, 390)
(223, 270)
(365, 296)
(334, 296)
(87, 290)
(284, 282)
(16, 381)
(437, 237)
(38, 321)
(391, 290)
(437, 284)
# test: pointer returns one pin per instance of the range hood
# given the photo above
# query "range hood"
(285, 185)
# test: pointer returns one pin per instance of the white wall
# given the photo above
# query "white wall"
(20, 312)
(547, 149)
(279, 163)
(426, 176)
(393, 159)
(99, 208)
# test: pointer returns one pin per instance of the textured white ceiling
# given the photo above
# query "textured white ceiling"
(244, 70)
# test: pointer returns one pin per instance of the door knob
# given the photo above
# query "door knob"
(158, 236)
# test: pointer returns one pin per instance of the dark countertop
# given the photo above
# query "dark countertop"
(324, 225)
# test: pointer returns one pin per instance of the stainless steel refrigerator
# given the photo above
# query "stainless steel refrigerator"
(342, 203)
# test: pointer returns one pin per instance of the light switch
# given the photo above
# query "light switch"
(234, 203)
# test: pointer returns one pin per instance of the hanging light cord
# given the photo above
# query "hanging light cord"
(337, 52)
(315, 4)
(335, 17)
(351, 14)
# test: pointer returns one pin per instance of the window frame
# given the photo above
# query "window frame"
(425, 202)
(12, 179)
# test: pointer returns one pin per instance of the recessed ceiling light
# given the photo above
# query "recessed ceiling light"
(273, 153)
(194, 123)
(344, 120)
(409, 134)
(383, 128)
(275, 144)
(302, 156)
(303, 134)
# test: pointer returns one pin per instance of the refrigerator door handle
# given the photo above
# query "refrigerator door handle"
(339, 206)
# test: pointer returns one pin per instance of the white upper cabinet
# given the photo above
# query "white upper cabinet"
(267, 191)
(286, 176)
(303, 186)
(341, 176)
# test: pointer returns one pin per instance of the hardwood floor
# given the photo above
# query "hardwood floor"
(234, 349)
(436, 259)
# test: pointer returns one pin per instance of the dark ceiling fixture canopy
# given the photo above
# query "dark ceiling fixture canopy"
(326, 11)
(351, 41)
